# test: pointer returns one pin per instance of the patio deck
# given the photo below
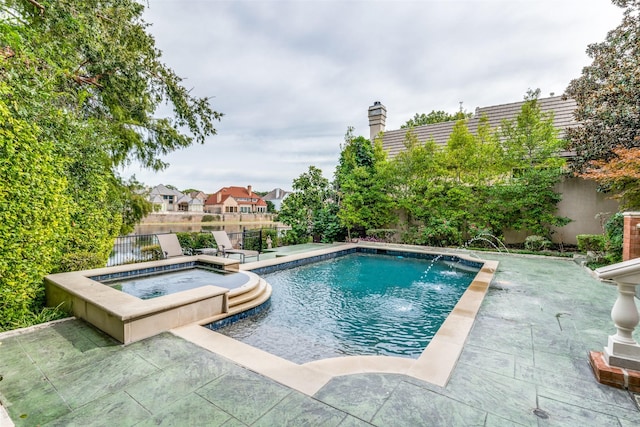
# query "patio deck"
(525, 363)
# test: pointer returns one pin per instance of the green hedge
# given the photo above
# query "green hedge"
(591, 242)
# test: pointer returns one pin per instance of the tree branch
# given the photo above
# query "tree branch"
(38, 5)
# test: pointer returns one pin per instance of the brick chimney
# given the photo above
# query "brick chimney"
(377, 118)
(631, 236)
(249, 189)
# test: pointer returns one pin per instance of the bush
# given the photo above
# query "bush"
(291, 237)
(441, 232)
(380, 234)
(77, 261)
(536, 243)
(210, 218)
(614, 231)
(195, 240)
(151, 252)
(591, 242)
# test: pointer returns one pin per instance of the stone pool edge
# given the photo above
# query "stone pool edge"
(127, 318)
(435, 365)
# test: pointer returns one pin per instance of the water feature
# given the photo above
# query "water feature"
(490, 239)
(359, 304)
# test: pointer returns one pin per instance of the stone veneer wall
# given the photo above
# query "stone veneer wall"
(631, 241)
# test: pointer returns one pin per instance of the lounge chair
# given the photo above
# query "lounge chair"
(170, 245)
(225, 247)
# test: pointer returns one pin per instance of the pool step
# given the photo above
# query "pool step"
(259, 297)
(255, 291)
(252, 295)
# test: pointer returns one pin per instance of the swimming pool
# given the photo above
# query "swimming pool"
(357, 304)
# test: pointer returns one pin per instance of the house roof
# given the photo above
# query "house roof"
(237, 193)
(393, 141)
(165, 191)
(189, 200)
(276, 194)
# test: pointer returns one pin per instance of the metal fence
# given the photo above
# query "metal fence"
(145, 247)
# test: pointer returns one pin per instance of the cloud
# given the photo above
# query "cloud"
(291, 76)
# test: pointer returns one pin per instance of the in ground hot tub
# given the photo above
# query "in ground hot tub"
(89, 295)
(157, 285)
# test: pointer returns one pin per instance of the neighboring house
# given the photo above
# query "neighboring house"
(580, 199)
(165, 199)
(276, 196)
(235, 200)
(198, 195)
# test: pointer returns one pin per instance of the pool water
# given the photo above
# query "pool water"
(169, 283)
(358, 304)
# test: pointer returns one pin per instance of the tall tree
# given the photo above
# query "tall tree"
(460, 151)
(87, 79)
(364, 197)
(411, 172)
(309, 208)
(608, 93)
(531, 139)
(528, 201)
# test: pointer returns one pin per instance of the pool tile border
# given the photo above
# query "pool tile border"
(434, 365)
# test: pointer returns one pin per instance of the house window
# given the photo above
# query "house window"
(183, 207)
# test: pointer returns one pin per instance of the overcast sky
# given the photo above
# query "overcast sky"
(292, 76)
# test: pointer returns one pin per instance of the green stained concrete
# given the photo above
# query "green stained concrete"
(527, 350)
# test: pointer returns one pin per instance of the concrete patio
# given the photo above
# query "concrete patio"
(525, 363)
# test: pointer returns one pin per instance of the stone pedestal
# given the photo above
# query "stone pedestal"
(622, 351)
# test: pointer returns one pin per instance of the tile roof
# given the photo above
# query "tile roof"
(393, 141)
(237, 193)
(276, 194)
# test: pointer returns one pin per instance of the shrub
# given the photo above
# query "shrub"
(195, 240)
(41, 315)
(614, 231)
(441, 232)
(209, 218)
(591, 242)
(536, 243)
(292, 237)
(76, 261)
(380, 234)
(151, 252)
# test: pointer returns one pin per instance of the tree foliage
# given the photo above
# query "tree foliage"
(531, 140)
(80, 83)
(309, 209)
(364, 199)
(489, 181)
(608, 93)
(434, 117)
(34, 213)
(620, 174)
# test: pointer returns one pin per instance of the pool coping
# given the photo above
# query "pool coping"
(128, 318)
(435, 365)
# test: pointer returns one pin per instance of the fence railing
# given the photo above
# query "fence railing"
(145, 247)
